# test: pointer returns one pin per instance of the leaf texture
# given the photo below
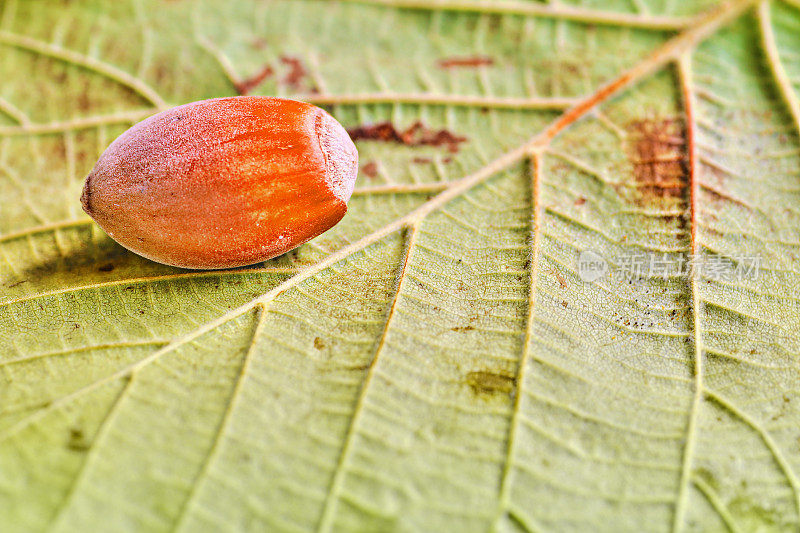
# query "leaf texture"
(436, 362)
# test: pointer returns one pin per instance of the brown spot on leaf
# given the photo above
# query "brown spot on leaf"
(561, 279)
(415, 135)
(383, 131)
(108, 267)
(466, 61)
(83, 100)
(463, 328)
(482, 381)
(580, 201)
(297, 72)
(422, 160)
(319, 343)
(77, 440)
(370, 169)
(657, 152)
(244, 87)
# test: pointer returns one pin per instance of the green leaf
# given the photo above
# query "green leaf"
(435, 362)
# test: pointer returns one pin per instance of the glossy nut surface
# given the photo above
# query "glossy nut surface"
(223, 183)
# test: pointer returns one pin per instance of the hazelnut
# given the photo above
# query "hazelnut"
(223, 183)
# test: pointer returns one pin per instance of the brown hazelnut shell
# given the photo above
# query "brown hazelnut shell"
(223, 183)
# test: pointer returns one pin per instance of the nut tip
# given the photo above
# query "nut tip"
(341, 156)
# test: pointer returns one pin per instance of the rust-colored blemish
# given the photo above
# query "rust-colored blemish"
(297, 72)
(77, 440)
(561, 280)
(467, 61)
(657, 153)
(244, 87)
(486, 382)
(370, 169)
(415, 135)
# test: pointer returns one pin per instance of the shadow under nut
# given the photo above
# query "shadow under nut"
(223, 183)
